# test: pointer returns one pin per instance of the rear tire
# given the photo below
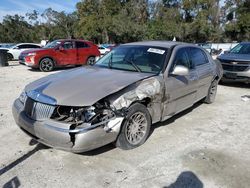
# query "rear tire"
(135, 127)
(91, 60)
(212, 91)
(46, 64)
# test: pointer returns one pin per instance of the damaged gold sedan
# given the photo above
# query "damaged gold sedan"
(117, 99)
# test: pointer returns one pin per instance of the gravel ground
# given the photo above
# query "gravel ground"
(205, 146)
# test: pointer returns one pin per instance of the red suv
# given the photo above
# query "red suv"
(60, 53)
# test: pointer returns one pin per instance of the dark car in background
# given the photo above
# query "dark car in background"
(236, 63)
(60, 53)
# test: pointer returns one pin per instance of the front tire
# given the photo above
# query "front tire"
(9, 57)
(135, 127)
(46, 64)
(212, 91)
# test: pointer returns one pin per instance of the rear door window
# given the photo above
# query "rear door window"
(197, 57)
(81, 45)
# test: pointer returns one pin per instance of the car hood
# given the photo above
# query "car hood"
(235, 57)
(82, 86)
(4, 48)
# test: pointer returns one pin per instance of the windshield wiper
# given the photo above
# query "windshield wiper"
(133, 64)
(110, 60)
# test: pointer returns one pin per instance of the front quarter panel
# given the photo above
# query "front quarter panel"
(148, 91)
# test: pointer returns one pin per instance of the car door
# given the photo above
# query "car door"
(67, 53)
(83, 52)
(180, 91)
(204, 71)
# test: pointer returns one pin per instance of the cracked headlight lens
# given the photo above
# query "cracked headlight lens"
(23, 97)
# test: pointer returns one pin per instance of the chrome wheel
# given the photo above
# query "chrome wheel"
(46, 65)
(136, 128)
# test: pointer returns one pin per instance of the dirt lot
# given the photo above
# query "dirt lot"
(205, 146)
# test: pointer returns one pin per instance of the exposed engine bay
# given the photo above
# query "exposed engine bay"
(87, 117)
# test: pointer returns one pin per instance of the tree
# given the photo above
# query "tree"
(131, 21)
(119, 21)
(90, 20)
(58, 24)
(15, 29)
(243, 22)
(201, 20)
(166, 22)
(33, 17)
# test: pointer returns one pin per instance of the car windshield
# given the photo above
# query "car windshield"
(241, 49)
(52, 44)
(147, 59)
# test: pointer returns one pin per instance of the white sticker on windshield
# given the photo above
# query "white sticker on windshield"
(155, 50)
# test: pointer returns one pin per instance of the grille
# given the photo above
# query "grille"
(38, 111)
(238, 68)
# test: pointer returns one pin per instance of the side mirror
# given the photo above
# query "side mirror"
(226, 52)
(16, 48)
(61, 48)
(180, 70)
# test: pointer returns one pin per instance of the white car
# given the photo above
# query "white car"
(15, 51)
(103, 50)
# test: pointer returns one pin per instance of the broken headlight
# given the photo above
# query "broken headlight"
(81, 115)
(89, 113)
(23, 97)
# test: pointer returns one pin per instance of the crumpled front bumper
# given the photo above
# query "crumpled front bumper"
(61, 136)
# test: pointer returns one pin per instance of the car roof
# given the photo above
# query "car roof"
(165, 44)
(26, 43)
(81, 40)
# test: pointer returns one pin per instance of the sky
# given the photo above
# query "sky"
(21, 7)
